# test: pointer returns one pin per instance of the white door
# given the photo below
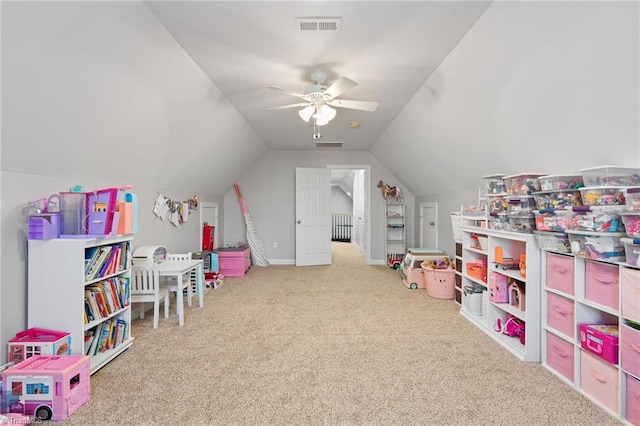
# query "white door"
(209, 214)
(429, 225)
(313, 216)
(359, 214)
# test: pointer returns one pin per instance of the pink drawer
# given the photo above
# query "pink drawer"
(560, 314)
(601, 283)
(633, 401)
(600, 380)
(560, 355)
(630, 291)
(560, 272)
(630, 349)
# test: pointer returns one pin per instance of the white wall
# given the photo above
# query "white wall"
(269, 191)
(548, 87)
(340, 202)
(99, 94)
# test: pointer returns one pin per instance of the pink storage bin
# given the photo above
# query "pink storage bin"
(440, 283)
(599, 379)
(630, 293)
(601, 340)
(631, 221)
(560, 314)
(630, 349)
(611, 176)
(560, 355)
(603, 196)
(632, 198)
(498, 288)
(633, 401)
(553, 220)
(601, 283)
(632, 250)
(557, 199)
(557, 182)
(522, 184)
(560, 273)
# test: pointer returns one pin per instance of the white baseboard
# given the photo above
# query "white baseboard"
(282, 261)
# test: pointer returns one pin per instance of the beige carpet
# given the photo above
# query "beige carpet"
(345, 344)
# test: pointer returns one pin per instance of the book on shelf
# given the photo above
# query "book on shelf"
(93, 348)
(96, 265)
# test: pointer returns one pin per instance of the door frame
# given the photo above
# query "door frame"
(367, 203)
(428, 205)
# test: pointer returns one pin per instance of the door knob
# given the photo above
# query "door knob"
(432, 223)
(298, 222)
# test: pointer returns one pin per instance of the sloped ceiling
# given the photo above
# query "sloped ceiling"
(389, 48)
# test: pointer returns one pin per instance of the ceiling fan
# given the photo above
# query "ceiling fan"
(319, 98)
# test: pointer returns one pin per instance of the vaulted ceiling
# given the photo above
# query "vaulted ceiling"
(389, 48)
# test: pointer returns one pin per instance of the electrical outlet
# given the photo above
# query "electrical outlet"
(275, 244)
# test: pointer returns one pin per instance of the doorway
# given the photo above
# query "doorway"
(209, 214)
(353, 180)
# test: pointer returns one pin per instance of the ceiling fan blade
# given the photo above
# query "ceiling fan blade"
(339, 87)
(301, 104)
(361, 105)
(287, 91)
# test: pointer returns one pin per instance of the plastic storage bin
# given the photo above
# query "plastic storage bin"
(632, 251)
(603, 196)
(522, 184)
(632, 198)
(497, 203)
(522, 223)
(598, 246)
(631, 221)
(553, 241)
(553, 220)
(611, 176)
(494, 184)
(499, 221)
(562, 199)
(520, 205)
(556, 182)
(597, 219)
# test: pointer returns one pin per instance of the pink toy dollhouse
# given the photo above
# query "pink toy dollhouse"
(48, 387)
(516, 295)
(38, 341)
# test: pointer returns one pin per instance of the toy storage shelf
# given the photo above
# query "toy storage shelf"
(582, 291)
(394, 222)
(56, 291)
(476, 304)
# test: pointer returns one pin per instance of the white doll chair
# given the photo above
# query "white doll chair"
(146, 287)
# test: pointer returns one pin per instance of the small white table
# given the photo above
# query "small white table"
(177, 269)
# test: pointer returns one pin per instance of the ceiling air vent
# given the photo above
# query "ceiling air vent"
(318, 24)
(334, 144)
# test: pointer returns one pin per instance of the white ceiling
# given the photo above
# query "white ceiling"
(389, 48)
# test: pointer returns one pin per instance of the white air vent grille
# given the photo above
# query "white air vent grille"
(318, 24)
(334, 144)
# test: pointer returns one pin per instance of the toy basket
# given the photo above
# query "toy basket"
(472, 300)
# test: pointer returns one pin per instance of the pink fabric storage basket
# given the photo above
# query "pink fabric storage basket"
(560, 355)
(601, 283)
(630, 291)
(630, 349)
(599, 379)
(633, 401)
(560, 272)
(560, 314)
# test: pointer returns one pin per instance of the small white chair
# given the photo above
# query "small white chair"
(146, 287)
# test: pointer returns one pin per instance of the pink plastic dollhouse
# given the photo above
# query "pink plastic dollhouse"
(48, 387)
(38, 341)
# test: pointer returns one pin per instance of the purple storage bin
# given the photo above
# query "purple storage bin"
(44, 226)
